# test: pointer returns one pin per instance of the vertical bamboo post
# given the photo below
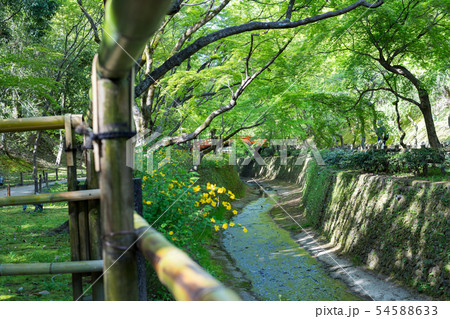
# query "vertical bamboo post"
(138, 207)
(40, 184)
(56, 173)
(113, 113)
(77, 280)
(8, 190)
(83, 227)
(94, 222)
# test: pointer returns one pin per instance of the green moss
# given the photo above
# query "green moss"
(315, 193)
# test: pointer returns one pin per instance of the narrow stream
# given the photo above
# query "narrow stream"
(273, 262)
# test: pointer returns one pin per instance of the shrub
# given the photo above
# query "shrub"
(380, 161)
(177, 206)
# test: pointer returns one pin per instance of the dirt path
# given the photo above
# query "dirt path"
(28, 189)
(24, 190)
(367, 284)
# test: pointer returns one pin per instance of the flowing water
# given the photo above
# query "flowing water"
(277, 268)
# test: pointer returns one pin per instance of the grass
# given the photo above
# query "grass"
(23, 240)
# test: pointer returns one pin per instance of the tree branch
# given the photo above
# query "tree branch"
(178, 58)
(91, 21)
(244, 84)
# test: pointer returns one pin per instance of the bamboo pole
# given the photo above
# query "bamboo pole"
(37, 123)
(50, 268)
(185, 279)
(72, 185)
(142, 274)
(83, 229)
(94, 222)
(127, 27)
(73, 196)
(116, 199)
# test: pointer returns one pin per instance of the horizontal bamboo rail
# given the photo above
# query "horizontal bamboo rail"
(37, 123)
(51, 268)
(184, 278)
(74, 196)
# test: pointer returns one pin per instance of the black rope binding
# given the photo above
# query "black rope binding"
(91, 136)
(119, 248)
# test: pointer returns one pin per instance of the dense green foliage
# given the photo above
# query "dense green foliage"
(334, 82)
(380, 161)
(177, 204)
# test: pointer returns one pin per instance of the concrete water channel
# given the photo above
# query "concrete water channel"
(274, 263)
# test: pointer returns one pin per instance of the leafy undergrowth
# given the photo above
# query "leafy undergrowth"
(23, 240)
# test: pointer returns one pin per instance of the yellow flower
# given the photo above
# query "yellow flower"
(148, 202)
(244, 229)
(216, 227)
(161, 192)
(225, 226)
(212, 193)
(161, 173)
(232, 196)
(205, 195)
(144, 178)
(228, 207)
(174, 181)
(235, 212)
(212, 220)
(231, 224)
(196, 188)
(174, 238)
(170, 233)
(221, 190)
(202, 201)
(208, 200)
(205, 214)
(154, 171)
(197, 204)
(213, 204)
(225, 204)
(170, 186)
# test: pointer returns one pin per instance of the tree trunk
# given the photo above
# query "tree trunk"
(35, 147)
(429, 123)
(60, 149)
(363, 132)
(403, 134)
(424, 105)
